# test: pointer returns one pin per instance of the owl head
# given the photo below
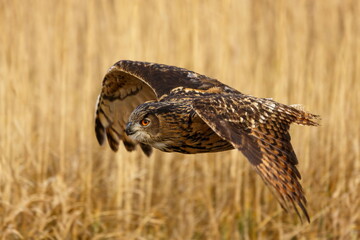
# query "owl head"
(144, 124)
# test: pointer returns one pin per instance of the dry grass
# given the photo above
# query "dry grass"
(57, 183)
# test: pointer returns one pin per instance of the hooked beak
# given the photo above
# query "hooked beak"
(128, 129)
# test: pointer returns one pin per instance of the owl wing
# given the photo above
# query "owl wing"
(259, 129)
(128, 84)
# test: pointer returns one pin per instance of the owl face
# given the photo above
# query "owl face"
(143, 125)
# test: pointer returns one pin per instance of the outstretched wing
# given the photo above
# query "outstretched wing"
(129, 84)
(259, 129)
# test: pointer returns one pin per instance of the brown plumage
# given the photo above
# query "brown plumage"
(176, 110)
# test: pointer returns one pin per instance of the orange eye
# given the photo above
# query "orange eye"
(145, 122)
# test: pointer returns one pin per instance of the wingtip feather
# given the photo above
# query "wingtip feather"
(147, 149)
(99, 131)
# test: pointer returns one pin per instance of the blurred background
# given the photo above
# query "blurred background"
(57, 183)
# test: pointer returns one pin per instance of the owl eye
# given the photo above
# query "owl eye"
(145, 122)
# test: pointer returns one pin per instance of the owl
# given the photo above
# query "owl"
(176, 110)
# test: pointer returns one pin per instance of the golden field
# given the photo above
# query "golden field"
(57, 183)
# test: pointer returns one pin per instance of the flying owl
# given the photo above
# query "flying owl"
(177, 110)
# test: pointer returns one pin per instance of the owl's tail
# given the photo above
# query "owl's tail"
(302, 117)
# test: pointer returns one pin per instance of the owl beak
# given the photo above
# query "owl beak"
(128, 129)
